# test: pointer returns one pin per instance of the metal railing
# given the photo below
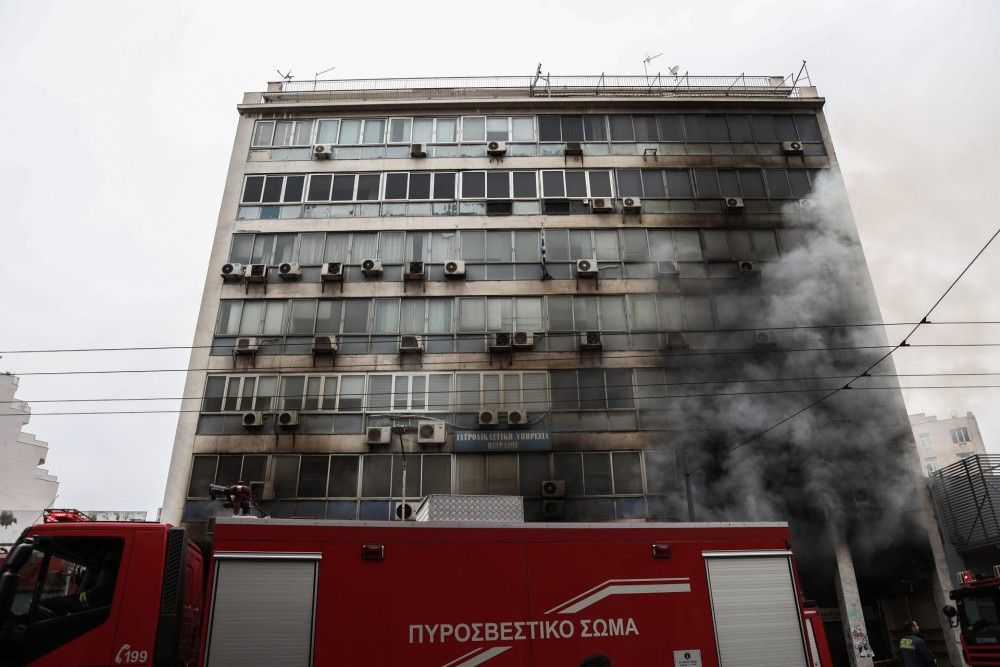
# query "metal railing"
(659, 85)
(967, 495)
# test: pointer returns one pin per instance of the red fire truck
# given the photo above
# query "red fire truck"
(301, 592)
(978, 617)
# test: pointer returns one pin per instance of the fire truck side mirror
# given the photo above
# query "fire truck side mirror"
(8, 580)
(952, 615)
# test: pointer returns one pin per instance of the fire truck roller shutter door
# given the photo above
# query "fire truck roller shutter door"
(262, 612)
(756, 613)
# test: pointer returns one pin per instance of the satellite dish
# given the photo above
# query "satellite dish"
(673, 70)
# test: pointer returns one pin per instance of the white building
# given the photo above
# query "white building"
(26, 488)
(941, 442)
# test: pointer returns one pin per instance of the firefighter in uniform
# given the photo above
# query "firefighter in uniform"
(913, 648)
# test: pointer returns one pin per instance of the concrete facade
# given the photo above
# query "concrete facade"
(719, 305)
(26, 488)
(943, 441)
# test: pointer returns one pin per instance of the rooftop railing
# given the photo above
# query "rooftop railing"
(659, 85)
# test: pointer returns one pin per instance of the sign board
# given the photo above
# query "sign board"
(503, 441)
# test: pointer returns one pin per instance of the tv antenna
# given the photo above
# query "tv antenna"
(317, 75)
(647, 60)
(288, 76)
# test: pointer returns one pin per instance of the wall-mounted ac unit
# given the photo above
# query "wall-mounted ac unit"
(806, 204)
(500, 342)
(747, 268)
(232, 272)
(763, 341)
(332, 272)
(430, 432)
(411, 344)
(403, 511)
(496, 147)
(487, 418)
(246, 345)
(574, 148)
(590, 340)
(256, 273)
(288, 418)
(601, 205)
(523, 340)
(324, 345)
(418, 150)
(586, 268)
(734, 204)
(554, 488)
(323, 151)
(454, 269)
(791, 147)
(414, 271)
(371, 267)
(289, 271)
(632, 204)
(553, 509)
(378, 435)
(517, 417)
(252, 419)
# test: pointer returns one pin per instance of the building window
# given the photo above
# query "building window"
(960, 435)
(931, 467)
(926, 441)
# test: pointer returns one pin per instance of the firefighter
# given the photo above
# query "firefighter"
(913, 648)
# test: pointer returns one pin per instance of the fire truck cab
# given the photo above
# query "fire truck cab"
(978, 617)
(301, 592)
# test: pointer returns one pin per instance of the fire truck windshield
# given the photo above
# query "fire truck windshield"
(979, 611)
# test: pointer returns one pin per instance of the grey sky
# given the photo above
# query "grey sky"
(118, 122)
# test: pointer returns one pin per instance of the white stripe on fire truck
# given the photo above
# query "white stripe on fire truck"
(622, 587)
(477, 657)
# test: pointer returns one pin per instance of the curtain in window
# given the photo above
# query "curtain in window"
(439, 316)
(363, 247)
(444, 246)
(390, 246)
(253, 318)
(311, 248)
(337, 246)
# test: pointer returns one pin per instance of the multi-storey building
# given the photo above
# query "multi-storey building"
(501, 282)
(26, 488)
(941, 442)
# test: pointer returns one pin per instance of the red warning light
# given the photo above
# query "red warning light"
(966, 576)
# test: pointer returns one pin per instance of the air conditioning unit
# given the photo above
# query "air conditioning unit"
(289, 271)
(252, 419)
(496, 147)
(332, 272)
(323, 151)
(418, 150)
(553, 510)
(454, 269)
(747, 269)
(378, 435)
(411, 344)
(500, 342)
(586, 268)
(667, 269)
(791, 148)
(806, 204)
(414, 271)
(232, 272)
(632, 204)
(590, 340)
(371, 267)
(601, 205)
(430, 432)
(734, 203)
(554, 488)
(246, 345)
(324, 345)
(523, 340)
(288, 418)
(517, 418)
(763, 340)
(677, 341)
(574, 148)
(487, 418)
(256, 273)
